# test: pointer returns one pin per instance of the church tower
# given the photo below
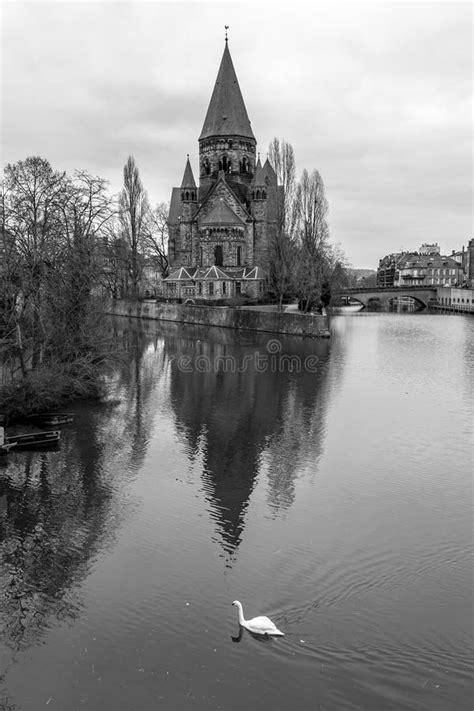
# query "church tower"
(219, 231)
(226, 142)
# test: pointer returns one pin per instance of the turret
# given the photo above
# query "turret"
(188, 184)
(258, 187)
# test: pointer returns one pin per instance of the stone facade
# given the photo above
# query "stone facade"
(428, 270)
(228, 220)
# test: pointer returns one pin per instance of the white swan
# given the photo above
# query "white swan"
(258, 625)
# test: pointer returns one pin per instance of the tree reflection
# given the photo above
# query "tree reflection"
(59, 508)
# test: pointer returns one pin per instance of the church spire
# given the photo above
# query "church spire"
(188, 177)
(259, 177)
(226, 115)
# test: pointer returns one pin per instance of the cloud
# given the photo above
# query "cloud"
(377, 97)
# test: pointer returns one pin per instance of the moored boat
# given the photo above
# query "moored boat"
(34, 440)
(52, 419)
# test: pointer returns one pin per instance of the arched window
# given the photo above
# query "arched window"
(225, 164)
(258, 195)
(264, 194)
(218, 255)
(187, 195)
(193, 195)
(245, 164)
(182, 195)
(239, 256)
(207, 167)
(200, 256)
(211, 288)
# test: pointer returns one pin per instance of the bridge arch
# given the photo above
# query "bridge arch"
(384, 295)
(422, 302)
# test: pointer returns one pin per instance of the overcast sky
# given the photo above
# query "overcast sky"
(376, 96)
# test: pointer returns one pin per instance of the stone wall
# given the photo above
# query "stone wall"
(313, 325)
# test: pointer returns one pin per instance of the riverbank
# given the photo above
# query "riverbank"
(288, 323)
(48, 388)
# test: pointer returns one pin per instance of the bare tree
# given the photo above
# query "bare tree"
(50, 228)
(115, 261)
(282, 241)
(134, 209)
(156, 237)
(282, 157)
(313, 238)
(86, 209)
(31, 218)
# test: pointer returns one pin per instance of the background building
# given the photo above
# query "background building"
(429, 248)
(427, 267)
(387, 271)
(428, 270)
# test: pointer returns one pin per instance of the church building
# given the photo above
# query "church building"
(220, 230)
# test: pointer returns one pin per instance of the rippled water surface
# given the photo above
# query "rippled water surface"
(337, 500)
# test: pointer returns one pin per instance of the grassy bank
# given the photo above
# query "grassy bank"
(49, 388)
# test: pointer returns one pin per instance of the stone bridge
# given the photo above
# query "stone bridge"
(381, 296)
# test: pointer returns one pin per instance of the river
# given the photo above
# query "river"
(326, 484)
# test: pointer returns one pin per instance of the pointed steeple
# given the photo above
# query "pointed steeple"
(226, 115)
(259, 177)
(269, 175)
(188, 177)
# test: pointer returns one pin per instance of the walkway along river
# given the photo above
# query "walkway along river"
(325, 483)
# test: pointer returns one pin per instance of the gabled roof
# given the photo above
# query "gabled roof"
(188, 177)
(206, 198)
(222, 214)
(253, 273)
(226, 114)
(182, 274)
(215, 273)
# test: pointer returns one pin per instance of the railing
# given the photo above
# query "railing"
(371, 289)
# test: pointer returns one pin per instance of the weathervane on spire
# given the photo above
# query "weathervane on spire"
(226, 27)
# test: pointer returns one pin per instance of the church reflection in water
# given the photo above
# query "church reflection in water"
(58, 510)
(248, 404)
